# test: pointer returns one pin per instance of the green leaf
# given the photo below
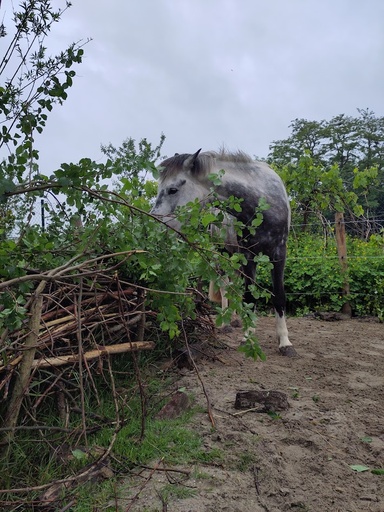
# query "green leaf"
(359, 468)
(252, 349)
(207, 219)
(377, 471)
(79, 454)
(237, 207)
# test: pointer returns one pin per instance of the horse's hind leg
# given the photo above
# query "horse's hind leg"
(285, 346)
(220, 296)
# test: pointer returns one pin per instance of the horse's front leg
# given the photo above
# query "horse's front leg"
(279, 301)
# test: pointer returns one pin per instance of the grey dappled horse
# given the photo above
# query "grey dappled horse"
(184, 178)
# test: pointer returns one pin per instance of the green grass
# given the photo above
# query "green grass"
(179, 492)
(33, 460)
(245, 461)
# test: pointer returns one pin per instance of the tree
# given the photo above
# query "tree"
(33, 83)
(316, 191)
(349, 148)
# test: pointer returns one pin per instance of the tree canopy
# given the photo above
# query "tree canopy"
(334, 164)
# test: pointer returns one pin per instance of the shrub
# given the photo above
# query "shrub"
(314, 281)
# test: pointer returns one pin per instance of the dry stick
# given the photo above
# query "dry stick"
(38, 427)
(209, 406)
(79, 477)
(71, 325)
(98, 299)
(143, 485)
(241, 413)
(141, 305)
(93, 354)
(70, 318)
(3, 337)
(255, 471)
(46, 392)
(164, 504)
(68, 506)
(80, 352)
(137, 369)
(119, 424)
(168, 470)
(61, 271)
(22, 379)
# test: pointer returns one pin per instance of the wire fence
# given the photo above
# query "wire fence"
(366, 220)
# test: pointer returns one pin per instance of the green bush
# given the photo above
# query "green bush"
(314, 281)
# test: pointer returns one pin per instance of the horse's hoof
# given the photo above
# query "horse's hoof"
(288, 351)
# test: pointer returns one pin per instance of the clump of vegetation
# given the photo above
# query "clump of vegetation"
(97, 271)
(314, 280)
(334, 165)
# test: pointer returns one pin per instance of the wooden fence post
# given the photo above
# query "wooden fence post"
(342, 252)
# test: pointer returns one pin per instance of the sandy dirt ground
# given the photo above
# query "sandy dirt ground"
(299, 460)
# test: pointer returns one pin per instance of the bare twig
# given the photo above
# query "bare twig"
(255, 471)
(21, 382)
(136, 496)
(143, 400)
(80, 357)
(168, 470)
(209, 406)
(66, 269)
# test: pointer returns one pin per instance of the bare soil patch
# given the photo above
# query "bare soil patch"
(300, 459)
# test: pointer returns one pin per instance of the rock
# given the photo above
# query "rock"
(175, 407)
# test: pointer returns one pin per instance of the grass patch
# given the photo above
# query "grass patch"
(40, 457)
(179, 492)
(245, 461)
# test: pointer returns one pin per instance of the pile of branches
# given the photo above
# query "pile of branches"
(77, 315)
(75, 320)
(84, 319)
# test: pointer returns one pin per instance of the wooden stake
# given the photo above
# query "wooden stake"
(342, 252)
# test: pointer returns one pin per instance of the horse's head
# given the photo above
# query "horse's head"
(180, 182)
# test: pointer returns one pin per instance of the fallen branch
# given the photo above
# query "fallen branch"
(209, 405)
(93, 354)
(66, 269)
(168, 470)
(22, 378)
(136, 496)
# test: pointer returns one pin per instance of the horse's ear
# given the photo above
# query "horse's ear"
(190, 161)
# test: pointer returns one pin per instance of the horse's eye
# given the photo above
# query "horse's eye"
(172, 191)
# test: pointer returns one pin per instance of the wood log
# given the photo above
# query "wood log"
(93, 354)
(270, 401)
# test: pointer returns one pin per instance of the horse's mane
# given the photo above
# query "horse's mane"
(204, 163)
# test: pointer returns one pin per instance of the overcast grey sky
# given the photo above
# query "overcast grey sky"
(212, 72)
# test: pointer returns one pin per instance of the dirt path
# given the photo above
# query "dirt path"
(301, 459)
